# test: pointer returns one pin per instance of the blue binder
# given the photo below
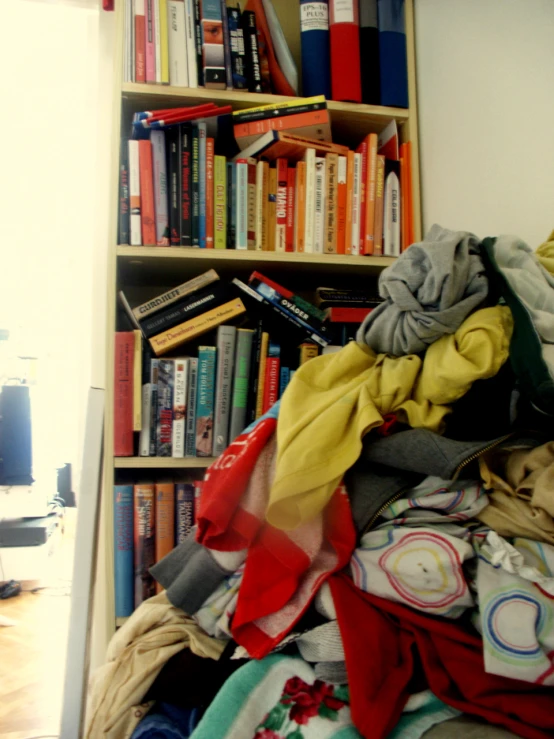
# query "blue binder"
(392, 53)
(314, 40)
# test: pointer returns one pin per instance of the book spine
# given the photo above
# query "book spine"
(403, 196)
(314, 40)
(123, 554)
(137, 381)
(147, 214)
(123, 394)
(180, 407)
(164, 421)
(195, 186)
(293, 105)
(198, 43)
(261, 375)
(252, 201)
(231, 205)
(379, 205)
(348, 315)
(252, 52)
(344, 41)
(220, 202)
(190, 438)
(198, 486)
(369, 53)
(256, 278)
(226, 339)
(144, 541)
(164, 518)
(363, 150)
(177, 293)
(123, 224)
(281, 211)
(243, 357)
(173, 146)
(393, 66)
(184, 511)
(307, 352)
(367, 245)
(135, 229)
(254, 370)
(391, 210)
(202, 183)
(205, 401)
(160, 187)
(289, 230)
(356, 196)
(158, 40)
(241, 219)
(300, 207)
(129, 51)
(265, 207)
(310, 201)
(226, 46)
(190, 31)
(341, 205)
(178, 67)
(284, 379)
(164, 43)
(271, 209)
(150, 42)
(272, 376)
(238, 51)
(320, 198)
(144, 438)
(349, 202)
(331, 167)
(140, 41)
(154, 367)
(213, 50)
(209, 193)
(186, 185)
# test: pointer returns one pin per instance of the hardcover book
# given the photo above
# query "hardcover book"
(226, 339)
(185, 141)
(171, 296)
(220, 202)
(164, 427)
(178, 65)
(190, 426)
(157, 139)
(314, 40)
(252, 52)
(135, 229)
(147, 207)
(123, 225)
(144, 541)
(123, 393)
(123, 554)
(184, 511)
(213, 50)
(243, 358)
(164, 522)
(205, 401)
(173, 150)
(201, 125)
(238, 50)
(180, 396)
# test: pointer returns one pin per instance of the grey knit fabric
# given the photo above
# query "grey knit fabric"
(430, 289)
(322, 644)
(331, 672)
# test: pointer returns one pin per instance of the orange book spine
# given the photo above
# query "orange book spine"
(349, 198)
(148, 214)
(281, 228)
(300, 206)
(341, 204)
(272, 209)
(209, 193)
(287, 122)
(165, 521)
(331, 167)
(367, 244)
(363, 149)
(379, 206)
(261, 374)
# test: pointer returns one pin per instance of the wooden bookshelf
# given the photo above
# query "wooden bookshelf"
(162, 463)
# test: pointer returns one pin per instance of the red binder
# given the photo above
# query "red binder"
(344, 34)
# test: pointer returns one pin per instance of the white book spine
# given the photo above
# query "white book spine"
(157, 139)
(180, 407)
(178, 70)
(356, 197)
(241, 201)
(134, 194)
(190, 435)
(144, 438)
(320, 197)
(226, 339)
(310, 201)
(259, 204)
(190, 30)
(158, 40)
(391, 231)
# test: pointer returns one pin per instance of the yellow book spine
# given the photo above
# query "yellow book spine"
(174, 337)
(137, 382)
(261, 374)
(294, 103)
(164, 44)
(307, 352)
(220, 202)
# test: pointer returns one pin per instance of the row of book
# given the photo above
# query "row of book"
(207, 43)
(283, 192)
(150, 519)
(196, 403)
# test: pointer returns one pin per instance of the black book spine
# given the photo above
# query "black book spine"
(369, 53)
(123, 227)
(227, 46)
(195, 187)
(186, 182)
(253, 379)
(238, 51)
(198, 39)
(252, 52)
(172, 138)
(260, 115)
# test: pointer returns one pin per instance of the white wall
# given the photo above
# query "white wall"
(485, 75)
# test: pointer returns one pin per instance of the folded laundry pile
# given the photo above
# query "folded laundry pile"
(374, 557)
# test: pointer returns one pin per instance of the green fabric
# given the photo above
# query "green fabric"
(413, 724)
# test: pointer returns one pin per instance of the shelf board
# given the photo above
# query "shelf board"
(163, 462)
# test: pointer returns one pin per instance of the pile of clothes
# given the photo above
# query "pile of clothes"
(375, 556)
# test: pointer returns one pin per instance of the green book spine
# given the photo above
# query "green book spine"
(243, 358)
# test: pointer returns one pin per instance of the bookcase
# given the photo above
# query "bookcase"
(143, 271)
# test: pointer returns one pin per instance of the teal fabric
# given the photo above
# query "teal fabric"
(414, 724)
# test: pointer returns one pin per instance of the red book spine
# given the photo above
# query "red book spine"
(140, 46)
(123, 394)
(209, 193)
(348, 315)
(362, 149)
(344, 30)
(289, 231)
(278, 288)
(148, 214)
(281, 227)
(271, 387)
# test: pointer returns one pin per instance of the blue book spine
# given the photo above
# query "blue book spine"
(205, 401)
(190, 434)
(300, 317)
(314, 41)
(123, 557)
(202, 183)
(283, 380)
(392, 53)
(184, 510)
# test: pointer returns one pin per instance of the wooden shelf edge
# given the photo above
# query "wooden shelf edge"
(163, 462)
(232, 255)
(252, 99)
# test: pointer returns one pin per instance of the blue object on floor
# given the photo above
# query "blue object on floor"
(167, 722)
